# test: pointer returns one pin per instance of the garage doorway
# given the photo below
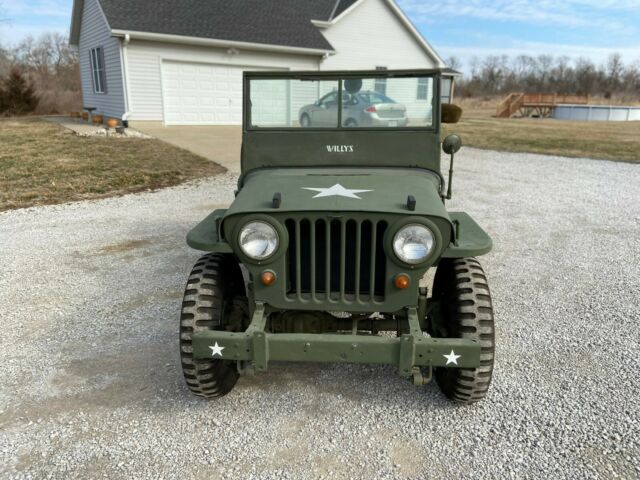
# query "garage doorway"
(201, 93)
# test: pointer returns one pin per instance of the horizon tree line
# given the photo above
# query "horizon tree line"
(503, 74)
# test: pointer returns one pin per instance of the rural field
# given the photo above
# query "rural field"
(42, 163)
(616, 141)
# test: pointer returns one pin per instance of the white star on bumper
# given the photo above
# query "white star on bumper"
(336, 191)
(452, 358)
(216, 350)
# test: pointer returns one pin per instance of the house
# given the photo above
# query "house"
(180, 62)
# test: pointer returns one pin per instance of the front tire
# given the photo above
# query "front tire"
(305, 121)
(214, 299)
(466, 311)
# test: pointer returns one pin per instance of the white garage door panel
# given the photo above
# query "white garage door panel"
(202, 94)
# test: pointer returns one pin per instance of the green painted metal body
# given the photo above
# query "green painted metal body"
(257, 348)
(335, 253)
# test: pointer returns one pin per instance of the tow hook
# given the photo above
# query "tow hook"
(419, 378)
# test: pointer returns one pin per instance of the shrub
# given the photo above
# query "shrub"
(17, 94)
(451, 113)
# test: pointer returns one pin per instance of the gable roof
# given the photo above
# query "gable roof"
(277, 23)
(283, 22)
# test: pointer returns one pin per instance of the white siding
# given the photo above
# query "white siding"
(94, 33)
(145, 69)
(373, 36)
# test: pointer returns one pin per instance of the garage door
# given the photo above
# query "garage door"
(202, 94)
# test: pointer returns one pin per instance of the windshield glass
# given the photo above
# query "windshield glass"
(376, 102)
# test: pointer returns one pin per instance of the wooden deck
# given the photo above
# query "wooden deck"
(535, 104)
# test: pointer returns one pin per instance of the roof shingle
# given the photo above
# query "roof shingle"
(271, 22)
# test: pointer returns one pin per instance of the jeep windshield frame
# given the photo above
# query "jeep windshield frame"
(409, 146)
(340, 76)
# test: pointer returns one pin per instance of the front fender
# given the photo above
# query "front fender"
(206, 235)
(468, 239)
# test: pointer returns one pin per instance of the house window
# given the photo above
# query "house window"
(446, 89)
(380, 84)
(423, 89)
(97, 70)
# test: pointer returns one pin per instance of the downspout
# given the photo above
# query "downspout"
(125, 77)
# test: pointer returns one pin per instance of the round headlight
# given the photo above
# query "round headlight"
(413, 243)
(258, 240)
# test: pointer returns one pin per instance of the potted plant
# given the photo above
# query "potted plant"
(85, 116)
(112, 123)
(74, 114)
(98, 119)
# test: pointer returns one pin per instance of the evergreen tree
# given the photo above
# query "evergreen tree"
(17, 95)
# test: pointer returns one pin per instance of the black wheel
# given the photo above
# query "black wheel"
(460, 286)
(305, 121)
(214, 299)
(351, 123)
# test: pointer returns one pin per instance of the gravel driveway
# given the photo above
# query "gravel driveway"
(90, 383)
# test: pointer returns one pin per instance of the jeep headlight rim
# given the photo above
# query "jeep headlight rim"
(258, 240)
(414, 243)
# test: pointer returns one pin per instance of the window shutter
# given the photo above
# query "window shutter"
(98, 72)
(94, 69)
(103, 71)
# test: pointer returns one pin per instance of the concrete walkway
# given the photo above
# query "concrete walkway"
(220, 144)
(86, 129)
(81, 127)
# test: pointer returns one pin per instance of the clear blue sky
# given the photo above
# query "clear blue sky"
(591, 28)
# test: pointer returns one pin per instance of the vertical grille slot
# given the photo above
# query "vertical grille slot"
(336, 260)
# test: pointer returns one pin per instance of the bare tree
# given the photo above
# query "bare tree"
(614, 71)
(474, 65)
(53, 68)
(5, 62)
(631, 79)
(453, 62)
(545, 73)
(586, 76)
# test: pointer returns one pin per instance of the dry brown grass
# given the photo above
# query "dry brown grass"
(43, 163)
(617, 141)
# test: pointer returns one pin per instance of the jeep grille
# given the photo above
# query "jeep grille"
(336, 259)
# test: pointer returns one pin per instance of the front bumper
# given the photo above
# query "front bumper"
(257, 348)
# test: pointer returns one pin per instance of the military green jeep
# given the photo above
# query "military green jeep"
(324, 253)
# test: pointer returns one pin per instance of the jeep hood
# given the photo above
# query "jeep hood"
(336, 189)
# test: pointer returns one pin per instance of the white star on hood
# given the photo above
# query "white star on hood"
(336, 191)
(452, 358)
(216, 350)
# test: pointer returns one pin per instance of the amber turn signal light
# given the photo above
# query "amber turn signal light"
(402, 281)
(268, 278)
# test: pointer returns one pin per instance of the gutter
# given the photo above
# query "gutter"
(211, 42)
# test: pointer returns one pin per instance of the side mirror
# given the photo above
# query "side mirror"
(451, 144)
(353, 85)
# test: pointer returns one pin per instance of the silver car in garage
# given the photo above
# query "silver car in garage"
(362, 109)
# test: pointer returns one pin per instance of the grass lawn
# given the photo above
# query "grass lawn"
(619, 141)
(43, 163)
